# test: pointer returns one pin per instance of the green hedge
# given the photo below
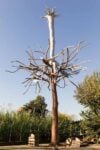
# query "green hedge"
(15, 128)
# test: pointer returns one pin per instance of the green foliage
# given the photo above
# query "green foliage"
(63, 122)
(13, 126)
(90, 123)
(36, 107)
(68, 127)
(16, 127)
(88, 94)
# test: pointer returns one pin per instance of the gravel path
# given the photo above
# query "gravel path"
(26, 147)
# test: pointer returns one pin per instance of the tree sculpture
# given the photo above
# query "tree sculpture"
(54, 70)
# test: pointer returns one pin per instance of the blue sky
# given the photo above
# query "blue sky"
(22, 28)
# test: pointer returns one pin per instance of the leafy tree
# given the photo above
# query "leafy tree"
(36, 107)
(90, 123)
(88, 92)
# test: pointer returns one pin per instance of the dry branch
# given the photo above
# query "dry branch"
(40, 69)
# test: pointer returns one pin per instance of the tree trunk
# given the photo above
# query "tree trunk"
(54, 129)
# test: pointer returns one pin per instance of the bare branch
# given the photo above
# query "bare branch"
(12, 71)
(64, 83)
(42, 68)
(73, 83)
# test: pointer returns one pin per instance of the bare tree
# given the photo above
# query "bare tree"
(55, 70)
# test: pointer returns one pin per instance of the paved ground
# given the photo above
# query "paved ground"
(26, 147)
